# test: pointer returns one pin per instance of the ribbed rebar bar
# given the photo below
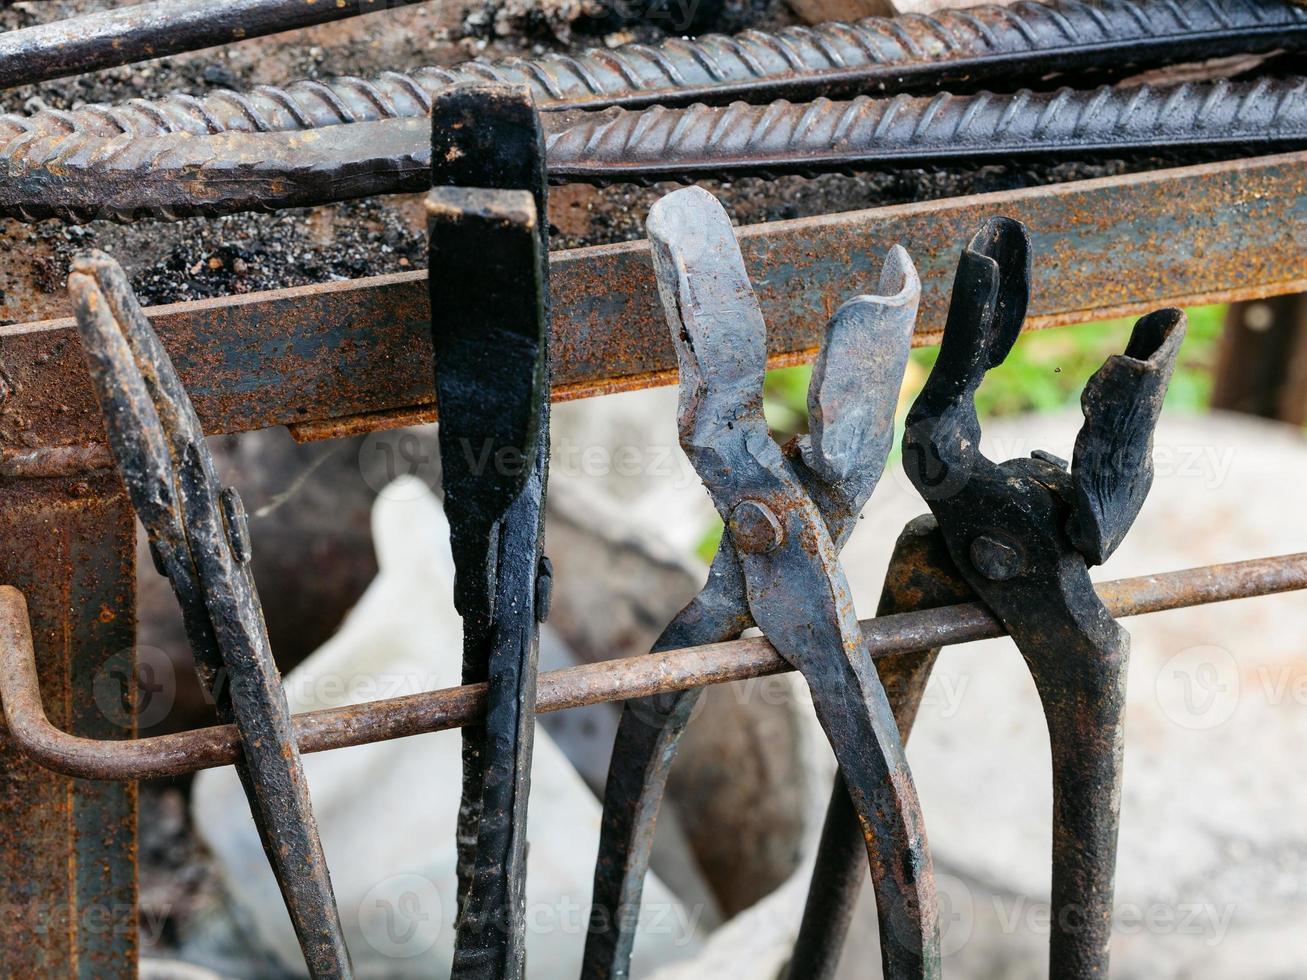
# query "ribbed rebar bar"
(784, 137)
(83, 178)
(962, 48)
(109, 38)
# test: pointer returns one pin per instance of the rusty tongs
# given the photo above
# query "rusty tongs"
(1021, 536)
(200, 540)
(787, 512)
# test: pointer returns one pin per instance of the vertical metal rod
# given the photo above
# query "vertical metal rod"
(920, 576)
(68, 899)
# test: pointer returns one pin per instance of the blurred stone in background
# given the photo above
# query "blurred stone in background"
(387, 811)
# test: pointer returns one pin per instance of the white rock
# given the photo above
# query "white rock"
(625, 447)
(817, 11)
(387, 811)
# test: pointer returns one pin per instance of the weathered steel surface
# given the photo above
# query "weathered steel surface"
(84, 178)
(108, 38)
(335, 352)
(611, 680)
(957, 48)
(490, 332)
(199, 540)
(1023, 535)
(920, 577)
(68, 846)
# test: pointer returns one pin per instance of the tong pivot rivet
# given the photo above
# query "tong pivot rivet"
(755, 529)
(997, 560)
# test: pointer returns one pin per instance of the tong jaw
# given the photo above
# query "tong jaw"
(1111, 470)
(794, 586)
(941, 444)
(855, 380)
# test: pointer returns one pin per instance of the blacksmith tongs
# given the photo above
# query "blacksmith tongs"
(200, 541)
(1021, 536)
(787, 512)
(489, 241)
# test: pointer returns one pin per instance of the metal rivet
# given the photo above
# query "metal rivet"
(544, 588)
(755, 529)
(996, 560)
(238, 526)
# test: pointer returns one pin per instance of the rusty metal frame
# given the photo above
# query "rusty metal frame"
(344, 358)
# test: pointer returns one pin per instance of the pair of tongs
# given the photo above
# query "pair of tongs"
(1021, 536)
(788, 512)
(199, 539)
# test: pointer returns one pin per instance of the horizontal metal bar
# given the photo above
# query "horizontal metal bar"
(574, 687)
(109, 38)
(961, 49)
(957, 47)
(354, 356)
(82, 179)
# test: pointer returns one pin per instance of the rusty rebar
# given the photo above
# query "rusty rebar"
(84, 178)
(123, 36)
(573, 687)
(659, 144)
(960, 48)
